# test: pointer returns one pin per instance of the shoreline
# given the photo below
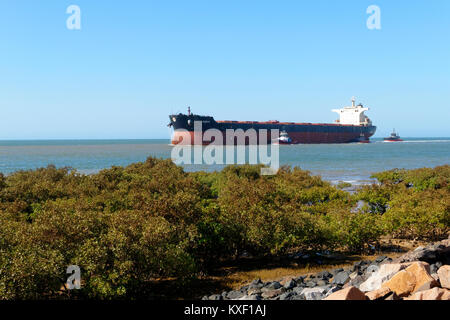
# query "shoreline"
(320, 282)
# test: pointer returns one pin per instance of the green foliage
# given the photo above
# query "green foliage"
(423, 215)
(127, 227)
(419, 179)
(343, 185)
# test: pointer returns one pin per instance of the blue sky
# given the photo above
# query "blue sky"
(134, 62)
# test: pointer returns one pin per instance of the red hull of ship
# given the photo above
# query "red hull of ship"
(188, 138)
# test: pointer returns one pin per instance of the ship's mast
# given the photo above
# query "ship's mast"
(189, 111)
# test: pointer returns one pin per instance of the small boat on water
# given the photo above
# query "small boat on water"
(284, 138)
(393, 138)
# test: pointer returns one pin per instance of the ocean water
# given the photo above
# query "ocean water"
(353, 163)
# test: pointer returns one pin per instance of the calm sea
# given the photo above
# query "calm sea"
(335, 162)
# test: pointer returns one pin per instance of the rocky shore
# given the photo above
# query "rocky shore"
(421, 274)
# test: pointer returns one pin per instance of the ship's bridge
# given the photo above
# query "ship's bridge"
(353, 115)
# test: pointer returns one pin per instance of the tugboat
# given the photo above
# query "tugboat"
(393, 138)
(284, 138)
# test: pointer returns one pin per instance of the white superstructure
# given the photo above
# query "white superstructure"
(353, 115)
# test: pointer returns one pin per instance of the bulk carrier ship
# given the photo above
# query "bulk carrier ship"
(352, 126)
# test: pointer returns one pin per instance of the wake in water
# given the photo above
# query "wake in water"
(413, 141)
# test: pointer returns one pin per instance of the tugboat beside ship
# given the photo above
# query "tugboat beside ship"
(284, 138)
(393, 138)
(352, 126)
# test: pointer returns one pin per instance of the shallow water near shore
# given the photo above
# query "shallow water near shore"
(352, 163)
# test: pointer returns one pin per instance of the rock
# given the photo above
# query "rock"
(387, 260)
(436, 252)
(274, 285)
(311, 284)
(215, 297)
(421, 271)
(414, 278)
(298, 290)
(289, 284)
(322, 283)
(444, 276)
(234, 295)
(255, 286)
(379, 294)
(431, 294)
(332, 290)
(380, 259)
(372, 268)
(341, 278)
(336, 271)
(355, 282)
(357, 265)
(286, 295)
(254, 291)
(402, 283)
(256, 282)
(316, 293)
(433, 268)
(272, 293)
(324, 275)
(385, 272)
(350, 293)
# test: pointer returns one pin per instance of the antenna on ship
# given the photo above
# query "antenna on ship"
(189, 111)
(353, 101)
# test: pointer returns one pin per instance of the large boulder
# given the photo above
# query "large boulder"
(431, 294)
(402, 283)
(414, 278)
(350, 293)
(384, 273)
(421, 272)
(444, 276)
